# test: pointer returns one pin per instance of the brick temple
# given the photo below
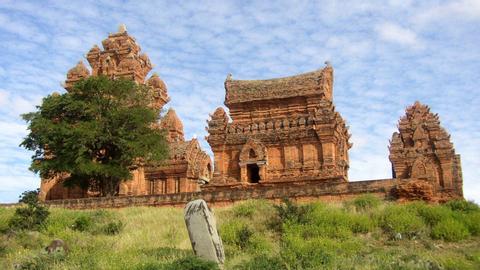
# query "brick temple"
(281, 138)
(422, 150)
(187, 166)
(283, 129)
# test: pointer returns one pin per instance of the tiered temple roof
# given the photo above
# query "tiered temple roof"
(311, 83)
(121, 57)
(422, 150)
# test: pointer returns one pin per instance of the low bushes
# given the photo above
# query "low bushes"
(262, 263)
(98, 222)
(431, 214)
(398, 222)
(30, 217)
(355, 235)
(366, 202)
(450, 230)
(240, 237)
(191, 263)
(463, 206)
(41, 261)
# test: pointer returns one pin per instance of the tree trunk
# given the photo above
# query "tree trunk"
(109, 187)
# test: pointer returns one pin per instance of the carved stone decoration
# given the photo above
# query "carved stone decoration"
(422, 150)
(202, 230)
(173, 125)
(75, 74)
(160, 91)
(282, 129)
(253, 151)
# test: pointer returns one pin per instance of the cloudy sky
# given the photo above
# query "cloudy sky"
(386, 55)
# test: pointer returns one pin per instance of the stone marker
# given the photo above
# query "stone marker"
(202, 229)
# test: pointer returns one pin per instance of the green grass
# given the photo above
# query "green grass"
(361, 234)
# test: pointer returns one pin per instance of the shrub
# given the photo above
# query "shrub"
(398, 219)
(366, 202)
(450, 230)
(289, 211)
(236, 233)
(82, 224)
(191, 263)
(330, 222)
(29, 197)
(4, 245)
(362, 224)
(29, 239)
(259, 244)
(40, 261)
(30, 217)
(463, 206)
(5, 216)
(316, 253)
(299, 253)
(150, 266)
(472, 222)
(246, 209)
(165, 253)
(431, 214)
(112, 228)
(98, 222)
(244, 236)
(262, 263)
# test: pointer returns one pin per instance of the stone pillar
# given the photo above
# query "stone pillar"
(243, 172)
(328, 149)
(447, 177)
(202, 230)
(262, 172)
(310, 156)
(170, 188)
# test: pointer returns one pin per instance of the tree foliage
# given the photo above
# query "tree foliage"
(95, 134)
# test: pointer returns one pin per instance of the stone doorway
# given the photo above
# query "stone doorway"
(253, 173)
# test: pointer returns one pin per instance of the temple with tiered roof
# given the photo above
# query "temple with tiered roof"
(187, 165)
(281, 138)
(422, 151)
(282, 129)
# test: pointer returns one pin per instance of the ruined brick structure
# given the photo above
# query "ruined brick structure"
(281, 138)
(283, 129)
(422, 151)
(187, 165)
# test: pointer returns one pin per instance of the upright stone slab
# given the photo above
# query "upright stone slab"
(202, 229)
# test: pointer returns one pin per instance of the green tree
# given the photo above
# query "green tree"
(95, 134)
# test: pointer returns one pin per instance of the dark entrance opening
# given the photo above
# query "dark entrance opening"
(253, 173)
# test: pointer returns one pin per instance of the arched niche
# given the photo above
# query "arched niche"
(253, 161)
(426, 168)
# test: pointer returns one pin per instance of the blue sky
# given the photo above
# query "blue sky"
(386, 55)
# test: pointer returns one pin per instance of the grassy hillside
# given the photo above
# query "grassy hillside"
(360, 234)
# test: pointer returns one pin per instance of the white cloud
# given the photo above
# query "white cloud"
(3, 97)
(450, 12)
(394, 33)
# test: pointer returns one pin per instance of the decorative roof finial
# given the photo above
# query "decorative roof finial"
(122, 28)
(328, 64)
(229, 77)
